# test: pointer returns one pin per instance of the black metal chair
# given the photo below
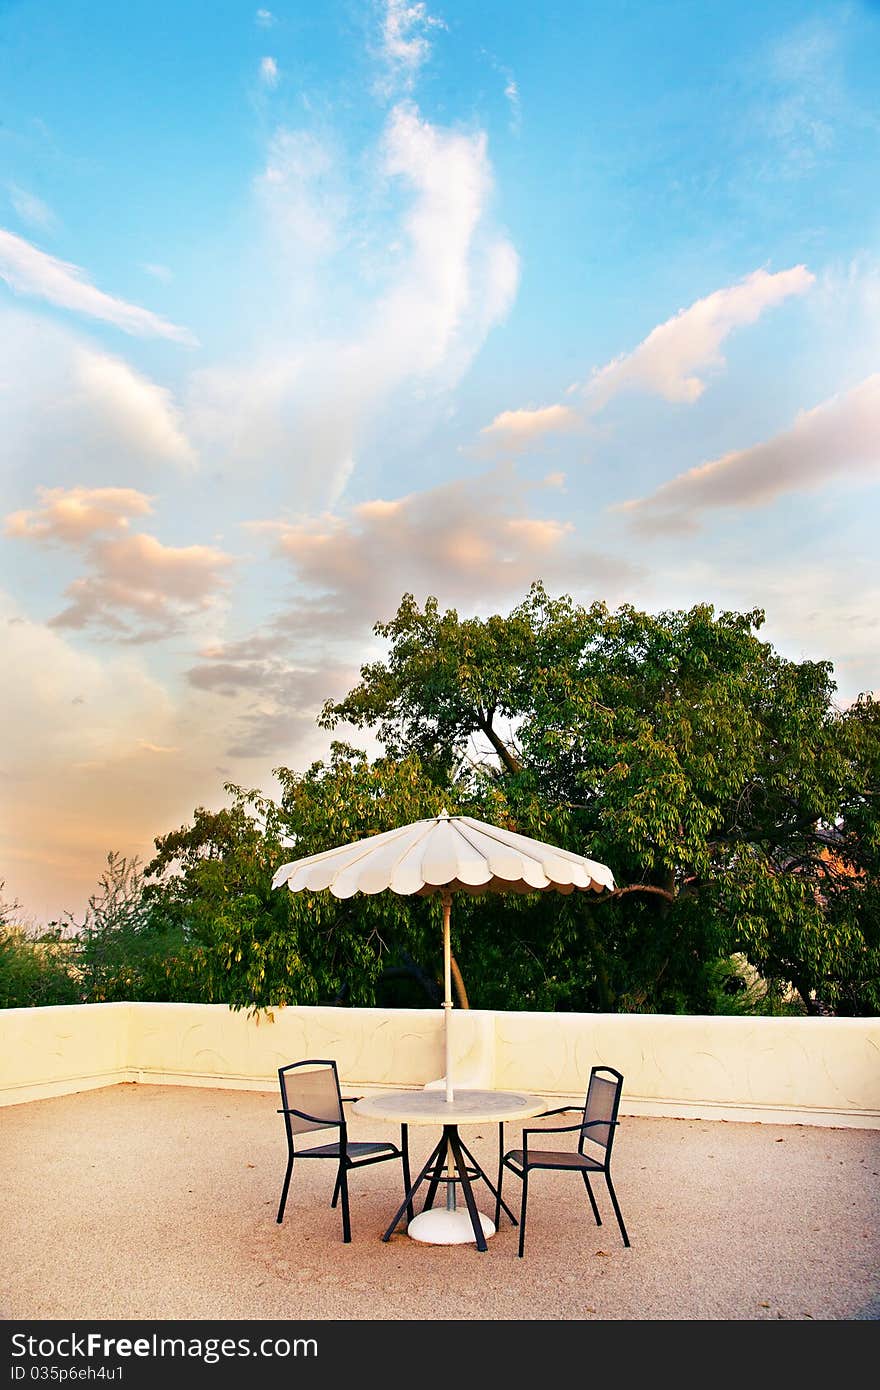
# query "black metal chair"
(593, 1154)
(310, 1100)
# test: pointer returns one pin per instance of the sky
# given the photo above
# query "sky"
(307, 307)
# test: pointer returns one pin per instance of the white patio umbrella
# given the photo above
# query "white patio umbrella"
(445, 854)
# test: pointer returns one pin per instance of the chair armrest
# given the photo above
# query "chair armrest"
(304, 1115)
(554, 1129)
(562, 1109)
(346, 1099)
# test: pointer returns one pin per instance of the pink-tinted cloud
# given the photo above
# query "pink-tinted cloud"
(515, 430)
(136, 588)
(836, 440)
(74, 515)
(668, 363)
(671, 362)
(471, 541)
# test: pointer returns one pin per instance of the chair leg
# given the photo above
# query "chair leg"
(614, 1203)
(500, 1172)
(284, 1189)
(342, 1184)
(336, 1188)
(522, 1211)
(404, 1153)
(586, 1177)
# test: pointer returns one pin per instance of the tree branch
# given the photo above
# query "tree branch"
(508, 758)
(638, 888)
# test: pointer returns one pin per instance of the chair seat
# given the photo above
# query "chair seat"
(358, 1150)
(556, 1158)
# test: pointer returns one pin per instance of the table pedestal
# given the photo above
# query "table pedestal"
(450, 1225)
(447, 1226)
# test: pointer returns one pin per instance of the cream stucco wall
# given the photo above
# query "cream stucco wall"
(797, 1070)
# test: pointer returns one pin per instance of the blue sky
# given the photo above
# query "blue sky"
(305, 307)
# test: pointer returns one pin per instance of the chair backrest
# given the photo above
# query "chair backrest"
(600, 1108)
(312, 1087)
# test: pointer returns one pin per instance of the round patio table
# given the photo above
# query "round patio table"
(450, 1162)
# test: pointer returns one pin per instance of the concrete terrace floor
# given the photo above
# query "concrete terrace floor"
(159, 1202)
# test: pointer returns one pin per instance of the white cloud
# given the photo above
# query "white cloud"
(304, 408)
(269, 72)
(425, 313)
(301, 192)
(29, 271)
(405, 45)
(129, 402)
(71, 409)
(264, 19)
(838, 439)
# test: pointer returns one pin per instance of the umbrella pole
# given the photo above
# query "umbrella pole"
(446, 900)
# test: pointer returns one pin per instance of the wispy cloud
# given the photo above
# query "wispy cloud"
(405, 44)
(671, 362)
(300, 189)
(158, 272)
(269, 74)
(451, 277)
(137, 589)
(835, 440)
(29, 271)
(801, 101)
(32, 210)
(264, 19)
(511, 92)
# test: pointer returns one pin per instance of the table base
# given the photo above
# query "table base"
(440, 1226)
(451, 1226)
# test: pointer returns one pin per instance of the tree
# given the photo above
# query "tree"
(35, 966)
(255, 946)
(736, 804)
(124, 949)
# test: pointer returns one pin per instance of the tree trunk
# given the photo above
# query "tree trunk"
(458, 981)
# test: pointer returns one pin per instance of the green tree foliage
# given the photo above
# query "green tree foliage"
(736, 804)
(123, 948)
(258, 947)
(34, 965)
